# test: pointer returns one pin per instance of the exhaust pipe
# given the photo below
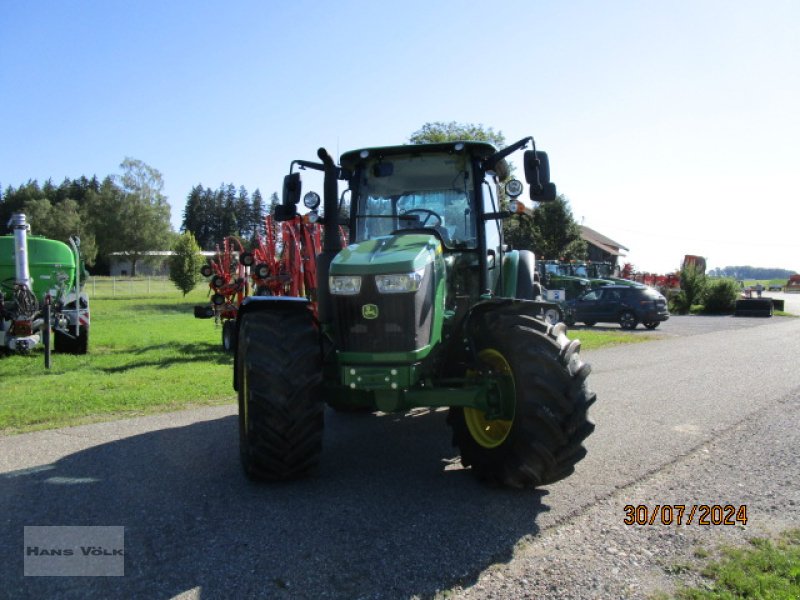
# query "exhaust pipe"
(21, 227)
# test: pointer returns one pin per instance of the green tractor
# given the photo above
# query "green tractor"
(424, 308)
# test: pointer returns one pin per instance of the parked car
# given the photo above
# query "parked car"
(621, 304)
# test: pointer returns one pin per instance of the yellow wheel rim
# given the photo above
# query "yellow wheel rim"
(490, 433)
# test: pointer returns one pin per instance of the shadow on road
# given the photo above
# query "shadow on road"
(383, 517)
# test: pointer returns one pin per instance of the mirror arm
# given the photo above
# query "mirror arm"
(490, 162)
(305, 164)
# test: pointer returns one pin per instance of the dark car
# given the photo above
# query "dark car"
(621, 304)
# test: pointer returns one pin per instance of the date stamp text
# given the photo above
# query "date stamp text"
(685, 514)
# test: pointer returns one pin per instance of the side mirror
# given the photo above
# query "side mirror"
(292, 186)
(537, 174)
(291, 189)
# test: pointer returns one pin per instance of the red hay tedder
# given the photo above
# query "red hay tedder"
(283, 263)
(288, 267)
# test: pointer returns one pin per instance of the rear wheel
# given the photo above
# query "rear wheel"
(281, 413)
(67, 344)
(541, 382)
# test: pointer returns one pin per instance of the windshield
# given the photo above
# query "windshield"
(412, 192)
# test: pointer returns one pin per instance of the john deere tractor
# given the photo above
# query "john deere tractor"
(425, 307)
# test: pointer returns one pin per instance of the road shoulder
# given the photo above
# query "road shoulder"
(597, 556)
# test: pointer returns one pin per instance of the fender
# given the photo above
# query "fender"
(498, 308)
(253, 304)
(509, 274)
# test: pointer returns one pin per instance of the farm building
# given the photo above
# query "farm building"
(600, 248)
(153, 263)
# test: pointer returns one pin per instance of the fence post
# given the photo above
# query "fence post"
(113, 287)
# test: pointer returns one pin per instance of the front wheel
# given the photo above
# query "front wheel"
(540, 380)
(281, 413)
(229, 335)
(551, 316)
(651, 324)
(627, 320)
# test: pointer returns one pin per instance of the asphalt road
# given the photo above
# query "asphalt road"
(389, 514)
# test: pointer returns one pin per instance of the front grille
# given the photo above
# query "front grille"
(403, 323)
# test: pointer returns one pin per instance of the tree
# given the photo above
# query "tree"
(693, 289)
(439, 131)
(556, 234)
(60, 221)
(257, 216)
(184, 265)
(131, 217)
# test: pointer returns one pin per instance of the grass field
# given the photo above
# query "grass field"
(768, 569)
(147, 353)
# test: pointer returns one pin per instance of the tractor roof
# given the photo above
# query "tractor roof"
(351, 159)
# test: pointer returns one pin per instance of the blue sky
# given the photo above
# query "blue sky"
(672, 128)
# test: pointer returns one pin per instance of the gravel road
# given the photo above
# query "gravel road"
(697, 418)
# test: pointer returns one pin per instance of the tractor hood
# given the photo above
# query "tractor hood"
(401, 253)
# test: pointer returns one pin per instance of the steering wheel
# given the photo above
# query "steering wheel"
(428, 214)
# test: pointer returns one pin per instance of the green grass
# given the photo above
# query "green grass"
(592, 339)
(765, 282)
(766, 569)
(146, 354)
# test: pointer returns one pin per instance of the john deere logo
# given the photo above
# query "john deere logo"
(369, 311)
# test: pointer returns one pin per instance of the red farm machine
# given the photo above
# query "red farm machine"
(793, 284)
(282, 263)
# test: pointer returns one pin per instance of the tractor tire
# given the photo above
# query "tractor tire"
(551, 316)
(281, 412)
(65, 344)
(540, 373)
(229, 336)
(628, 320)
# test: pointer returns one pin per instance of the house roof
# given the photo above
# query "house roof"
(604, 243)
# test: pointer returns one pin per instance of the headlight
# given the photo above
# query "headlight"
(400, 283)
(345, 285)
